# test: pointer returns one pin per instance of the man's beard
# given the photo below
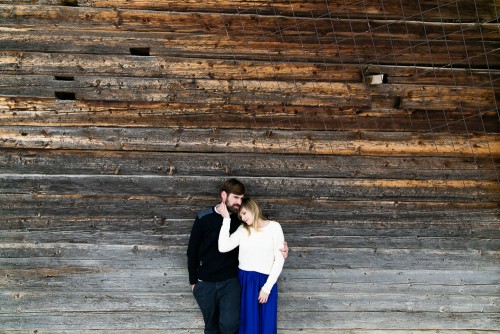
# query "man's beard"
(233, 208)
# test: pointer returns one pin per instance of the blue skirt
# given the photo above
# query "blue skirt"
(256, 318)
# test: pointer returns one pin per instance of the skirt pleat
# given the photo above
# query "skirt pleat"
(256, 318)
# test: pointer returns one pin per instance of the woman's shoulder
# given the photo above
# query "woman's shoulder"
(274, 224)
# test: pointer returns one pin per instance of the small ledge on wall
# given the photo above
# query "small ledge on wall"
(375, 79)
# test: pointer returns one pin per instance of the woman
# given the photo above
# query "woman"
(260, 264)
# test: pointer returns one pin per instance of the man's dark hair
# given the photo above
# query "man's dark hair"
(233, 186)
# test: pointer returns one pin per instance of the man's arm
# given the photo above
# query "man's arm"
(193, 252)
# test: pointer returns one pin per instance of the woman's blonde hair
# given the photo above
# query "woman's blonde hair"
(252, 206)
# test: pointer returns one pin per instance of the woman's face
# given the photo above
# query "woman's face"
(246, 216)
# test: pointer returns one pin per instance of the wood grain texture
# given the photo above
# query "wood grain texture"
(441, 10)
(91, 162)
(251, 141)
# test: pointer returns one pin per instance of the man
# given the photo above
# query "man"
(213, 275)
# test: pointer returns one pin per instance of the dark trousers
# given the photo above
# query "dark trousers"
(219, 303)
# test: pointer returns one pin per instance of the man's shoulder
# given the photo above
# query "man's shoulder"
(204, 213)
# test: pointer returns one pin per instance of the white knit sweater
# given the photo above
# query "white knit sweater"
(259, 251)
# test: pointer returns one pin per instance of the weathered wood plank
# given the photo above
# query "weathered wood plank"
(93, 235)
(18, 207)
(254, 141)
(67, 162)
(293, 320)
(441, 11)
(186, 186)
(27, 63)
(32, 302)
(381, 117)
(107, 257)
(103, 320)
(324, 281)
(269, 48)
(187, 90)
(23, 63)
(389, 320)
(432, 75)
(254, 26)
(248, 92)
(15, 230)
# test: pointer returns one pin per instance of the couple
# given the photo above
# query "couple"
(219, 283)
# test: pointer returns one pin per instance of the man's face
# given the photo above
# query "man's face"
(233, 202)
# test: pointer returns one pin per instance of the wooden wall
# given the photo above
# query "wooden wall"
(119, 119)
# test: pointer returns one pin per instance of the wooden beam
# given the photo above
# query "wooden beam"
(64, 64)
(252, 141)
(440, 11)
(17, 207)
(28, 111)
(331, 49)
(84, 162)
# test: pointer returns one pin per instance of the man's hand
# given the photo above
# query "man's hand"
(192, 287)
(284, 250)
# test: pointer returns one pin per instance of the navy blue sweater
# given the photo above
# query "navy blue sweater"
(205, 262)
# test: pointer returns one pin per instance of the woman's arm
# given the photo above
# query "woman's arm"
(229, 242)
(279, 260)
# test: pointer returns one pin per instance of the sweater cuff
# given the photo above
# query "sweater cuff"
(267, 289)
(226, 221)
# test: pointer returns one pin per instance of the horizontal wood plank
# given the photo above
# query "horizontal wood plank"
(247, 92)
(183, 187)
(97, 281)
(270, 48)
(17, 207)
(32, 302)
(94, 235)
(253, 25)
(441, 11)
(26, 63)
(67, 162)
(382, 117)
(250, 141)
(150, 320)
(158, 229)
(311, 257)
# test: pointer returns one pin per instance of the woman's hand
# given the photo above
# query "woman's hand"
(263, 297)
(223, 210)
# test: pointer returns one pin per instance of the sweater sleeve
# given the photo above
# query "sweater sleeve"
(228, 242)
(279, 260)
(193, 251)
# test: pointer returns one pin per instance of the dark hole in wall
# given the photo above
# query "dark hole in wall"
(69, 3)
(397, 102)
(65, 95)
(64, 78)
(139, 51)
